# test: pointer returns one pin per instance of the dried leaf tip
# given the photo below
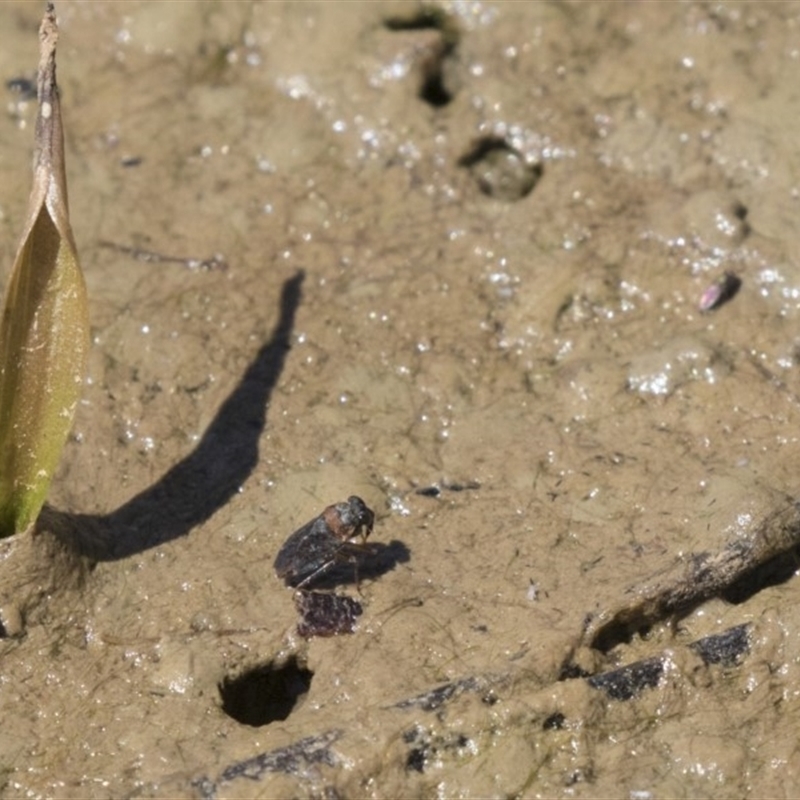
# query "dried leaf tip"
(48, 132)
(48, 34)
(50, 180)
(44, 327)
(48, 39)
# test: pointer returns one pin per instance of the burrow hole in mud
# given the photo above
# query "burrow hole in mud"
(435, 89)
(500, 170)
(267, 693)
(737, 591)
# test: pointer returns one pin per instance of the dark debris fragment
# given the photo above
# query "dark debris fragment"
(295, 759)
(435, 698)
(299, 759)
(428, 746)
(628, 681)
(724, 649)
(323, 614)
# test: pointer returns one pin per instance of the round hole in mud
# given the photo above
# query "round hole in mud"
(267, 693)
(499, 170)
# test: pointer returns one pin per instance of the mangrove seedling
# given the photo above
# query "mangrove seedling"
(44, 331)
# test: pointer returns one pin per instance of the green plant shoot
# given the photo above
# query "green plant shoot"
(44, 331)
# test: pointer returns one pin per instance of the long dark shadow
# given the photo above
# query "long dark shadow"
(196, 487)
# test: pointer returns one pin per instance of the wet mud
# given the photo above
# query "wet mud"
(472, 263)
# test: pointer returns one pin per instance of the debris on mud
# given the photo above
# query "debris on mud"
(625, 683)
(300, 759)
(436, 698)
(323, 614)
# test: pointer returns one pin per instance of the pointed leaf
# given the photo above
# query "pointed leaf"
(44, 331)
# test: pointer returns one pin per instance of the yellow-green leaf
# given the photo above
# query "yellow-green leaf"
(44, 331)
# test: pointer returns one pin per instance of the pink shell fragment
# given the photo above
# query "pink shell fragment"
(722, 290)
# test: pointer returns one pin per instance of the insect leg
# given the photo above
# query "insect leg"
(318, 571)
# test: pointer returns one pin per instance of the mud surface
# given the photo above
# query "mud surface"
(450, 260)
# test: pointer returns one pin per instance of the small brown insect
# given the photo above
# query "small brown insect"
(331, 538)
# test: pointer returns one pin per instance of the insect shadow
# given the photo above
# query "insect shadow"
(374, 560)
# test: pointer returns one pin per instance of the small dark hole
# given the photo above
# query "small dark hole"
(433, 91)
(265, 694)
(615, 633)
(555, 722)
(415, 761)
(579, 776)
(24, 87)
(425, 19)
(571, 671)
(412, 734)
(774, 572)
(434, 88)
